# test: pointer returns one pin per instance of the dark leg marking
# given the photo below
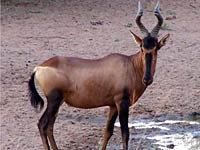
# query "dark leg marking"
(42, 126)
(50, 133)
(46, 122)
(123, 118)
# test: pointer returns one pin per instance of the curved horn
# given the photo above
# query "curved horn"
(156, 29)
(138, 20)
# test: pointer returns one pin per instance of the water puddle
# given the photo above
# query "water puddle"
(164, 134)
(160, 133)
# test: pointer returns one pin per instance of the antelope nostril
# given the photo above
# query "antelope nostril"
(147, 81)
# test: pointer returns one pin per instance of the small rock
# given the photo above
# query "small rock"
(171, 146)
(170, 18)
(128, 25)
(99, 22)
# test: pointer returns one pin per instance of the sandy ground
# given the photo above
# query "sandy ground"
(32, 31)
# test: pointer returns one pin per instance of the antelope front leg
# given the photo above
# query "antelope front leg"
(123, 110)
(109, 126)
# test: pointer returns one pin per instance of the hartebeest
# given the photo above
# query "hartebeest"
(115, 80)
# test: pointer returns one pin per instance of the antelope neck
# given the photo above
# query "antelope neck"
(138, 63)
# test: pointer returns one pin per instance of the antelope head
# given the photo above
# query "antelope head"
(149, 44)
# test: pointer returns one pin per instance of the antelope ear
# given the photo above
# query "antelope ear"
(138, 40)
(163, 41)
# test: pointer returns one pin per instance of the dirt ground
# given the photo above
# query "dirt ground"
(34, 30)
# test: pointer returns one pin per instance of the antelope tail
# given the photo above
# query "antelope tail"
(36, 100)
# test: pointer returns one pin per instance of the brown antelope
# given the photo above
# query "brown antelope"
(115, 80)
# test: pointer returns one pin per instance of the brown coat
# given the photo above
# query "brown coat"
(92, 83)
